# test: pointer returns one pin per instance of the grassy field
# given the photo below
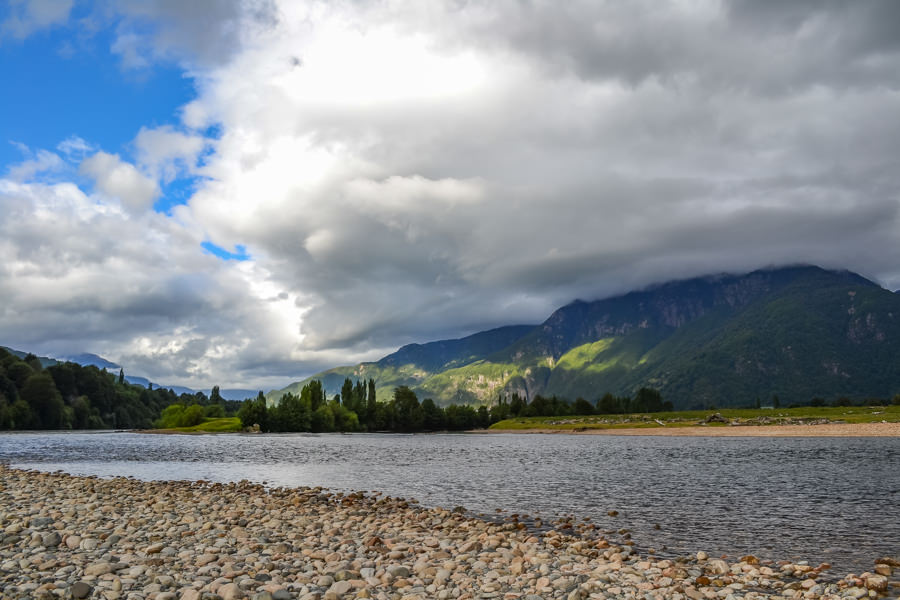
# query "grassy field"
(219, 425)
(688, 418)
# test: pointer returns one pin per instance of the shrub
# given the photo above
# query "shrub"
(214, 411)
(177, 415)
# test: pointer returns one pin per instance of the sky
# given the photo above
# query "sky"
(245, 192)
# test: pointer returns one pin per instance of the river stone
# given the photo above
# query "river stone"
(398, 571)
(190, 594)
(41, 521)
(154, 548)
(100, 568)
(51, 540)
(89, 544)
(717, 567)
(879, 583)
(340, 587)
(80, 590)
(231, 591)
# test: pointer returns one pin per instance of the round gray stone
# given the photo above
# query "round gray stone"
(80, 590)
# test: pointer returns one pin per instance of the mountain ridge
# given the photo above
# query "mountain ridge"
(720, 340)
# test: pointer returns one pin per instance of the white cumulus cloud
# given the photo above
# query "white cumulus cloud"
(167, 152)
(120, 180)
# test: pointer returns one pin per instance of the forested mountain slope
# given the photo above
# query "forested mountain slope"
(724, 340)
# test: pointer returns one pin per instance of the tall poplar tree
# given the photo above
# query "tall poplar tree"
(347, 393)
(371, 406)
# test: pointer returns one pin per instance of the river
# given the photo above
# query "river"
(818, 499)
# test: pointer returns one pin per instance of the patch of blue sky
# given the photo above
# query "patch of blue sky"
(211, 134)
(180, 190)
(61, 83)
(175, 193)
(239, 254)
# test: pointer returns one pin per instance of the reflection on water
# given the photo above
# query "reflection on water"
(819, 499)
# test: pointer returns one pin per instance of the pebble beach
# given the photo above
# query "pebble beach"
(64, 536)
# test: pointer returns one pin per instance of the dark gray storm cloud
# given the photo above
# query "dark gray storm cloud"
(609, 145)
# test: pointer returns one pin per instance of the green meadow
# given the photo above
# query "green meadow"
(214, 425)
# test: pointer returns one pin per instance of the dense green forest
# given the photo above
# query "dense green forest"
(357, 408)
(71, 396)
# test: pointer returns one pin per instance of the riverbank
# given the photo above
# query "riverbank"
(799, 421)
(812, 430)
(84, 537)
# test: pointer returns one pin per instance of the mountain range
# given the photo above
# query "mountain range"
(725, 340)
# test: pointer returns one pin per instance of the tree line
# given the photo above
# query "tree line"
(645, 400)
(71, 396)
(357, 408)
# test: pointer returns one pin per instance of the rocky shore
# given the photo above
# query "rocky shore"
(64, 536)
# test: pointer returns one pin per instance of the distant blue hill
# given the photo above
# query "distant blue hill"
(238, 394)
(86, 359)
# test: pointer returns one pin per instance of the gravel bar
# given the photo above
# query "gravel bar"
(66, 536)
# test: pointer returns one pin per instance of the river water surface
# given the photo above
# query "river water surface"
(818, 499)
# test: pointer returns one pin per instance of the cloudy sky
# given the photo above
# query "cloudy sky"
(244, 192)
